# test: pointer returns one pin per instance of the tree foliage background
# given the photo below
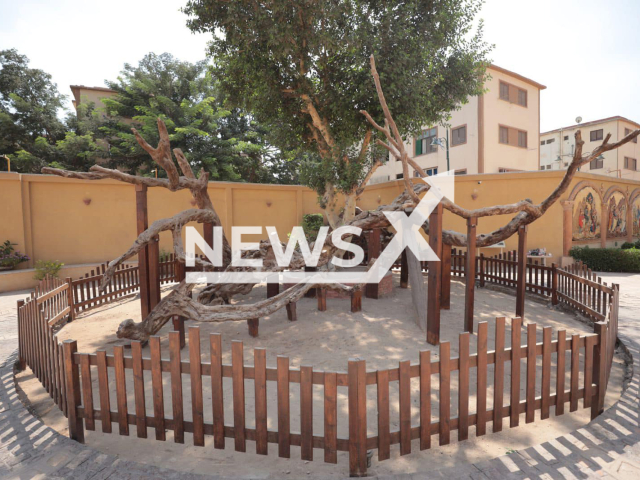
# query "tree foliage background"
(227, 142)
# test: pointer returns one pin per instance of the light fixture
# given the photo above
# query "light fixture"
(437, 142)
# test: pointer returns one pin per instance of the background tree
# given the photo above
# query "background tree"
(302, 68)
(29, 107)
(227, 143)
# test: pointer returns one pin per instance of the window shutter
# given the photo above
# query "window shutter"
(418, 146)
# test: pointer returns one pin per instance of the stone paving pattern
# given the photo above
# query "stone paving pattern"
(607, 447)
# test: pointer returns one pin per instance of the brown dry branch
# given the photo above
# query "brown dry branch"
(178, 302)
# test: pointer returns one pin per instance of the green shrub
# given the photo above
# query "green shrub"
(627, 245)
(311, 223)
(47, 267)
(608, 259)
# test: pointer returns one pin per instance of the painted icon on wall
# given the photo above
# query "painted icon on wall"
(586, 217)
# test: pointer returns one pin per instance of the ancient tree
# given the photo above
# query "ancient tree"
(213, 304)
(301, 68)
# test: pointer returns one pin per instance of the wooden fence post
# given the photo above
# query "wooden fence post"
(21, 337)
(522, 271)
(470, 274)
(554, 284)
(445, 294)
(599, 369)
(481, 272)
(70, 300)
(357, 418)
(404, 270)
(72, 375)
(434, 276)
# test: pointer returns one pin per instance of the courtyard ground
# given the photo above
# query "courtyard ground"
(383, 334)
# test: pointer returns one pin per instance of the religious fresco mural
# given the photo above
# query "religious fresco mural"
(617, 218)
(635, 217)
(586, 215)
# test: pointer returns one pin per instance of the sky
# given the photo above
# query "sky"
(586, 52)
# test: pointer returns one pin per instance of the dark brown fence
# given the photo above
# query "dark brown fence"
(126, 281)
(579, 366)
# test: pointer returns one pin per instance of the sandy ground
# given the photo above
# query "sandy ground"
(383, 334)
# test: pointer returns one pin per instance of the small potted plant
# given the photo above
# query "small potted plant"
(9, 257)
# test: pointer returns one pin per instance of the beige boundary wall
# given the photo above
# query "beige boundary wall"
(89, 222)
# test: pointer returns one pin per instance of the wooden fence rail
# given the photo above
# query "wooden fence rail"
(580, 365)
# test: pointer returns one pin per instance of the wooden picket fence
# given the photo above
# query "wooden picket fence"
(125, 282)
(67, 375)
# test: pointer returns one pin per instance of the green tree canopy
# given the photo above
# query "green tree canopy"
(228, 143)
(302, 68)
(29, 108)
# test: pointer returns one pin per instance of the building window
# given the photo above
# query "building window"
(431, 171)
(513, 136)
(399, 176)
(512, 94)
(551, 140)
(566, 137)
(630, 163)
(522, 139)
(461, 172)
(459, 135)
(627, 131)
(596, 135)
(504, 135)
(542, 142)
(596, 164)
(423, 142)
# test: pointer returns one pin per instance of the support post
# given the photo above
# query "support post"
(567, 226)
(291, 312)
(208, 233)
(521, 285)
(72, 376)
(445, 294)
(178, 326)
(481, 272)
(404, 270)
(434, 276)
(273, 289)
(322, 299)
(599, 369)
(373, 247)
(154, 272)
(357, 418)
(356, 301)
(178, 321)
(470, 275)
(253, 326)
(142, 223)
(554, 284)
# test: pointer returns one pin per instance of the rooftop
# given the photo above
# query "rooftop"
(594, 122)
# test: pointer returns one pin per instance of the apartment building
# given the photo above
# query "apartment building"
(558, 146)
(83, 94)
(494, 132)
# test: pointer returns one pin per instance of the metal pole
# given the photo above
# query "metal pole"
(447, 149)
